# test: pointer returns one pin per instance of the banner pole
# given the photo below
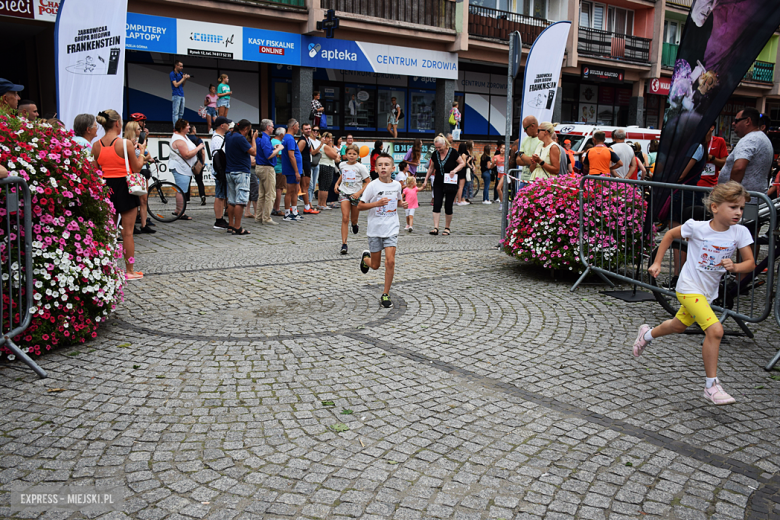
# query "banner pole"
(508, 132)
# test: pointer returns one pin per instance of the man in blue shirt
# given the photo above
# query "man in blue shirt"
(264, 169)
(292, 166)
(239, 149)
(178, 79)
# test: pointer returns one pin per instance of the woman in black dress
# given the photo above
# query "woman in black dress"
(445, 165)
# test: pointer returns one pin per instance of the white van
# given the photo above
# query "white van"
(582, 134)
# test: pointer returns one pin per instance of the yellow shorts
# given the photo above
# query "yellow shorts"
(694, 308)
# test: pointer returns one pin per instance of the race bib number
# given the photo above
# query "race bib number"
(709, 170)
(388, 210)
(350, 176)
(450, 178)
(501, 169)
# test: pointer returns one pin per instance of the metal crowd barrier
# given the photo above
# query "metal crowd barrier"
(615, 249)
(16, 270)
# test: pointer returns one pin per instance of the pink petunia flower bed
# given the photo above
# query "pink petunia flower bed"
(543, 226)
(76, 257)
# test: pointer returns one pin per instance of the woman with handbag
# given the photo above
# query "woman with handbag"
(116, 158)
(132, 131)
(184, 156)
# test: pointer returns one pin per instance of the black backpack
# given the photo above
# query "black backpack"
(219, 162)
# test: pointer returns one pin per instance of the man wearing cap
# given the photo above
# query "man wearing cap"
(220, 126)
(9, 94)
(570, 153)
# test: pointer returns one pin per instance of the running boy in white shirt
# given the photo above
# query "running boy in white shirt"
(711, 245)
(382, 198)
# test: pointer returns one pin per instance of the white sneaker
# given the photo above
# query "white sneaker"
(500, 207)
(716, 395)
(461, 203)
(486, 202)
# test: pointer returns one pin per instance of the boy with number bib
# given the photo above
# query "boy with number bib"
(710, 246)
(381, 198)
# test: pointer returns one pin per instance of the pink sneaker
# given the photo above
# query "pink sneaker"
(641, 343)
(716, 395)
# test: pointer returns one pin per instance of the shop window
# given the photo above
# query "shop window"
(502, 5)
(385, 106)
(282, 101)
(360, 107)
(422, 108)
(330, 97)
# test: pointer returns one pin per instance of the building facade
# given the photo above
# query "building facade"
(425, 53)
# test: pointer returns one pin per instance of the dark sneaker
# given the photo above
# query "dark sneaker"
(344, 249)
(147, 230)
(289, 218)
(230, 229)
(220, 224)
(355, 229)
(136, 231)
(363, 265)
(386, 302)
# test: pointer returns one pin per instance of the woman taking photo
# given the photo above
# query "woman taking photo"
(132, 131)
(184, 155)
(486, 167)
(110, 154)
(223, 93)
(328, 165)
(445, 165)
(211, 106)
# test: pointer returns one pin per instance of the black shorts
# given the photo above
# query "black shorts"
(120, 195)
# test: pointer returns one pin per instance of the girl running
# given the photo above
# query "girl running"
(711, 244)
(354, 179)
(410, 196)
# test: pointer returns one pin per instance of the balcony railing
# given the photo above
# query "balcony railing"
(669, 55)
(605, 44)
(433, 13)
(680, 3)
(762, 72)
(492, 23)
(286, 3)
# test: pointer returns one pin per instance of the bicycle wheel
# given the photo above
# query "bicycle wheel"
(474, 187)
(667, 279)
(162, 201)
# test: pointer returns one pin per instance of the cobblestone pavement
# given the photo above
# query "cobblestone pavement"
(490, 391)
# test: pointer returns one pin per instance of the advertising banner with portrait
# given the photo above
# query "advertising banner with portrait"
(720, 42)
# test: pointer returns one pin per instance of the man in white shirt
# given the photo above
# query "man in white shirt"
(220, 127)
(626, 154)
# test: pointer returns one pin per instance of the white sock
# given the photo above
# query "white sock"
(710, 382)
(295, 210)
(307, 206)
(649, 335)
(286, 211)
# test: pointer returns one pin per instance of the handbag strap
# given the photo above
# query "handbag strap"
(127, 163)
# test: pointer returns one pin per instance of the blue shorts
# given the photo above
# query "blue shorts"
(182, 181)
(211, 111)
(292, 180)
(222, 102)
(220, 190)
(238, 188)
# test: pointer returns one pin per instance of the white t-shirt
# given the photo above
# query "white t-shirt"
(701, 273)
(400, 177)
(313, 145)
(626, 154)
(216, 142)
(176, 161)
(757, 149)
(383, 221)
(352, 176)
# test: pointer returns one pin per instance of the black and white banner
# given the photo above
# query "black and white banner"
(90, 57)
(542, 73)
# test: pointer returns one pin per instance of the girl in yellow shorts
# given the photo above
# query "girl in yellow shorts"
(711, 245)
